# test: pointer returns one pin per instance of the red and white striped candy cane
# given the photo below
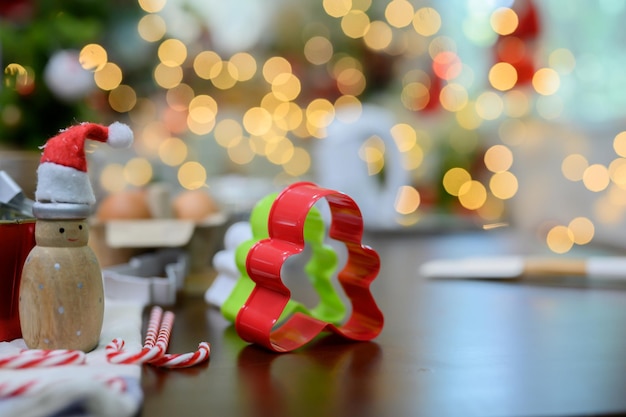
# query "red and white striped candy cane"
(165, 331)
(39, 358)
(155, 346)
(183, 360)
(153, 326)
(115, 353)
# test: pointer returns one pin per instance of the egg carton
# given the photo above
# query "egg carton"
(151, 278)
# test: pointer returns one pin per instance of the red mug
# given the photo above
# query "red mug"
(17, 238)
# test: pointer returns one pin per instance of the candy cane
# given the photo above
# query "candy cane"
(152, 349)
(39, 358)
(155, 346)
(153, 326)
(116, 354)
(165, 331)
(183, 360)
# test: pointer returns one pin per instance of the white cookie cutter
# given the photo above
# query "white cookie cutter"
(152, 278)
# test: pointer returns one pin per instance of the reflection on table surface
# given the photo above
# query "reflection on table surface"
(448, 348)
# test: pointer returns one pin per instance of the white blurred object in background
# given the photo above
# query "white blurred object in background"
(341, 163)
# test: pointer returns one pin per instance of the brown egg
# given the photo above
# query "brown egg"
(124, 205)
(194, 205)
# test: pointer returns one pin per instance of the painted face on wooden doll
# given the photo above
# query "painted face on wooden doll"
(61, 233)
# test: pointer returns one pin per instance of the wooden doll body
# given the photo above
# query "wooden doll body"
(61, 294)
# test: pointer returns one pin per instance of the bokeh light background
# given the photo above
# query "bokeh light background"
(496, 120)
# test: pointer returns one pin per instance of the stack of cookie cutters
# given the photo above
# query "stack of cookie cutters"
(319, 269)
(260, 320)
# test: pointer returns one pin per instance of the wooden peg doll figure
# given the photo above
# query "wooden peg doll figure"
(61, 293)
(61, 301)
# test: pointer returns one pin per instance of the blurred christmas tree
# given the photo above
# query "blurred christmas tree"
(44, 87)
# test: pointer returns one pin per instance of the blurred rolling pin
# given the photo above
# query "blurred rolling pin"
(520, 267)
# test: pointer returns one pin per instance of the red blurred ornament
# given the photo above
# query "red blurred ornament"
(529, 26)
(17, 11)
(517, 48)
(433, 103)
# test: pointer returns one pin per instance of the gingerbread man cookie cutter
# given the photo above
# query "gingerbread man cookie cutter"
(258, 319)
(319, 269)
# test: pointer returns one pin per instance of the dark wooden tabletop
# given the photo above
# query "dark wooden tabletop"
(448, 348)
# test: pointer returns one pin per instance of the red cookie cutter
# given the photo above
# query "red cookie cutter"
(259, 315)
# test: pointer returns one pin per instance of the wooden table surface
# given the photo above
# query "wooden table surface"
(448, 348)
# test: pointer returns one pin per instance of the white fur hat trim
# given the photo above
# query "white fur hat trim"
(60, 184)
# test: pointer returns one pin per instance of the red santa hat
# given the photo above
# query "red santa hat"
(62, 174)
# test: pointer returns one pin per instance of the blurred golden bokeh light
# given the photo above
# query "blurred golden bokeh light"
(172, 52)
(275, 66)
(286, 86)
(582, 230)
(504, 21)
(546, 81)
(355, 23)
(92, 57)
(123, 98)
(112, 178)
(245, 65)
(378, 35)
(503, 76)
(596, 177)
(257, 121)
(204, 63)
(108, 77)
(399, 13)
(192, 175)
(472, 195)
(617, 171)
(503, 185)
(138, 172)
(453, 97)
(427, 21)
(320, 113)
(574, 166)
(454, 179)
(560, 239)
(619, 144)
(407, 200)
(498, 158)
(337, 8)
(167, 76)
(173, 151)
(152, 6)
(151, 28)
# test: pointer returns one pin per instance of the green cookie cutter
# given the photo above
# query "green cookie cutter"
(320, 267)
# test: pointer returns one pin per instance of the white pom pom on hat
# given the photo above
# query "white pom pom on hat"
(120, 135)
(62, 174)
